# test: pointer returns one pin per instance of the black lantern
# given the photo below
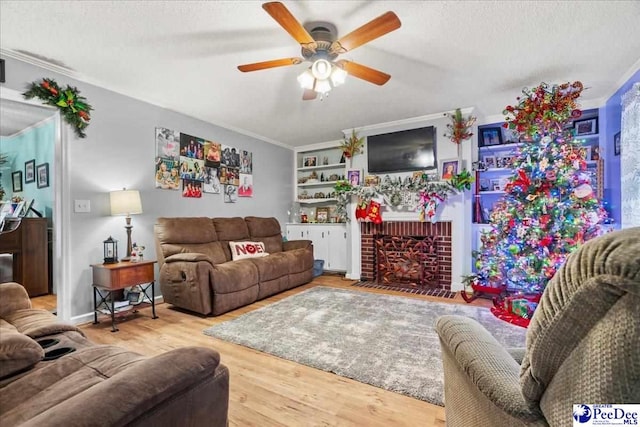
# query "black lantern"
(110, 251)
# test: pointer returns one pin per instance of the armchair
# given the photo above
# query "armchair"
(583, 346)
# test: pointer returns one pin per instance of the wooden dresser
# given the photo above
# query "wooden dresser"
(29, 245)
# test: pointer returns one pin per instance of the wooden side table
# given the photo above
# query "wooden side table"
(109, 278)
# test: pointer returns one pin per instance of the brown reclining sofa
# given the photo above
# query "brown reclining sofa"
(51, 375)
(198, 273)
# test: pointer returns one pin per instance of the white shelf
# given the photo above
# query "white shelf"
(594, 136)
(315, 168)
(491, 192)
(502, 147)
(497, 170)
(312, 201)
(316, 184)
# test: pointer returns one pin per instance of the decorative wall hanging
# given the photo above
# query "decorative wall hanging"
(459, 129)
(74, 108)
(167, 159)
(352, 146)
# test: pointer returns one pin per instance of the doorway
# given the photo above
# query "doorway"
(31, 145)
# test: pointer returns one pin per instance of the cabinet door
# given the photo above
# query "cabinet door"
(318, 235)
(296, 232)
(337, 243)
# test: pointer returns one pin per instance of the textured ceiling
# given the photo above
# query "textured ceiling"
(183, 55)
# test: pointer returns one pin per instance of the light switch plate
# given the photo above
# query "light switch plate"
(82, 206)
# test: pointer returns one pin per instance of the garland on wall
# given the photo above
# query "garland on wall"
(74, 108)
(415, 193)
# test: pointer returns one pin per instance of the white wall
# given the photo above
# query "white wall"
(119, 152)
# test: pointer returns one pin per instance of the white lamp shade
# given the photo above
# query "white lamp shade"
(338, 76)
(125, 202)
(306, 80)
(322, 86)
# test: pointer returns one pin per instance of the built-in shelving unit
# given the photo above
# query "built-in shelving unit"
(318, 168)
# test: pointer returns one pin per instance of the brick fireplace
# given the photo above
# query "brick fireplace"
(441, 243)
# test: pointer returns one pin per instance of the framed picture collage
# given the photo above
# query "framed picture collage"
(195, 166)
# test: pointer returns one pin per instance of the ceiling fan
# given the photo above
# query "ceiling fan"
(320, 48)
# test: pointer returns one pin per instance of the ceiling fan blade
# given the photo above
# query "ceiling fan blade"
(309, 94)
(281, 14)
(378, 27)
(269, 64)
(365, 73)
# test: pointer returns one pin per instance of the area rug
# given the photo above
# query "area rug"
(383, 340)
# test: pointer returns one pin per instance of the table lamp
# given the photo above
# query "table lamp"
(126, 202)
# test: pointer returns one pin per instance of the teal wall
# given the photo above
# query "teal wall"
(35, 143)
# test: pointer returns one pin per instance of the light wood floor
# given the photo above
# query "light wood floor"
(266, 390)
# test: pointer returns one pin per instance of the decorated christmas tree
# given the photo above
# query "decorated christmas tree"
(549, 208)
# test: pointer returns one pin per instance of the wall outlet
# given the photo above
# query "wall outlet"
(82, 206)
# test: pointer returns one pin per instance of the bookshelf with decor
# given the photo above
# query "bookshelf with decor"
(317, 169)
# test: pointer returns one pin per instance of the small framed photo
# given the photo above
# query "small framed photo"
(616, 144)
(506, 161)
(485, 185)
(449, 168)
(586, 127)
(30, 171)
(308, 161)
(371, 180)
(595, 153)
(586, 152)
(322, 214)
(353, 175)
(495, 185)
(42, 174)
(16, 179)
(489, 162)
(490, 136)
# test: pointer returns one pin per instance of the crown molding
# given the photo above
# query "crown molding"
(80, 77)
(402, 124)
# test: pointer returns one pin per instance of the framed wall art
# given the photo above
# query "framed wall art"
(16, 180)
(42, 174)
(353, 175)
(30, 171)
(449, 168)
(586, 127)
(616, 144)
(490, 136)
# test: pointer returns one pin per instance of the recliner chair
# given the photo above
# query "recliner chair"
(582, 347)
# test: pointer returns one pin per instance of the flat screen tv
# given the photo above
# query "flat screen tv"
(402, 151)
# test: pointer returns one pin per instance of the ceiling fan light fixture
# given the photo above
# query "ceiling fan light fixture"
(338, 76)
(306, 80)
(321, 69)
(322, 86)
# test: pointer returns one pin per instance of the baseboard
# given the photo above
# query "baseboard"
(88, 317)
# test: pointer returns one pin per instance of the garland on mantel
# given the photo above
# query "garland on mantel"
(415, 193)
(74, 108)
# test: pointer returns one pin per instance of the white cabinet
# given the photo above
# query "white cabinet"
(329, 242)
